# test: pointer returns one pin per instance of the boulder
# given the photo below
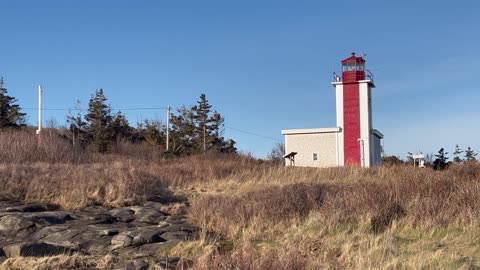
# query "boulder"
(35, 250)
(122, 240)
(147, 236)
(149, 215)
(46, 231)
(49, 218)
(123, 214)
(14, 223)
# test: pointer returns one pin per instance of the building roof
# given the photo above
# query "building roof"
(310, 131)
(353, 59)
(377, 133)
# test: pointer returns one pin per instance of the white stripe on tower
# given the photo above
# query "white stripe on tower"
(365, 125)
(339, 104)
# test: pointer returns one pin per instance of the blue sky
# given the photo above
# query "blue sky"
(265, 65)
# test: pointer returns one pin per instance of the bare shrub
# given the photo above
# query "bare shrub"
(423, 198)
(21, 146)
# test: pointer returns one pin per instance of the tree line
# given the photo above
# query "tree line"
(193, 130)
(438, 161)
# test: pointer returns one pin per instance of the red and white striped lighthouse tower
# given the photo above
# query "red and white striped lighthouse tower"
(354, 114)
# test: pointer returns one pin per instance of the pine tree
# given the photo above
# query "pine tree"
(182, 132)
(98, 121)
(152, 132)
(120, 127)
(201, 116)
(457, 159)
(10, 113)
(470, 155)
(216, 130)
(197, 130)
(440, 162)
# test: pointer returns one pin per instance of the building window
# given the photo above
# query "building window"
(315, 156)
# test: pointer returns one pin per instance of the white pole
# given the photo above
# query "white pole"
(362, 152)
(168, 126)
(39, 109)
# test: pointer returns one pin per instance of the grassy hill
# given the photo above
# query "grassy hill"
(257, 215)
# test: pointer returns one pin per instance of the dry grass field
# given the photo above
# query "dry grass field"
(255, 215)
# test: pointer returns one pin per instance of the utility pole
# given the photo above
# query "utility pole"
(39, 109)
(168, 126)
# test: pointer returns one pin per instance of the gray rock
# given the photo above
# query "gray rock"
(14, 223)
(181, 227)
(70, 238)
(177, 236)
(49, 218)
(46, 231)
(108, 232)
(133, 265)
(176, 219)
(149, 215)
(147, 236)
(122, 240)
(123, 214)
(35, 250)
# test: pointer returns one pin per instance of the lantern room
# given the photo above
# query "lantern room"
(353, 69)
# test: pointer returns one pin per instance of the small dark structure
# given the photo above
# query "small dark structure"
(291, 157)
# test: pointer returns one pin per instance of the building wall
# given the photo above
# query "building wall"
(376, 154)
(323, 144)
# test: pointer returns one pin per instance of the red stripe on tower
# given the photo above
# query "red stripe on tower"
(353, 70)
(351, 122)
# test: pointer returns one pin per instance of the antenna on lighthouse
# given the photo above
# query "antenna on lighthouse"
(39, 109)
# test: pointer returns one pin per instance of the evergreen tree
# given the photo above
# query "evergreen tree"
(182, 132)
(201, 116)
(440, 162)
(216, 129)
(10, 113)
(198, 130)
(457, 159)
(120, 127)
(98, 121)
(152, 132)
(470, 155)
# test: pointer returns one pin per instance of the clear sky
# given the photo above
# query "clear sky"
(265, 65)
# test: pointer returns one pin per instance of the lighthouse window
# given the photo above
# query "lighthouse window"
(315, 156)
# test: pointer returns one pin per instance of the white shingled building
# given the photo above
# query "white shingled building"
(353, 142)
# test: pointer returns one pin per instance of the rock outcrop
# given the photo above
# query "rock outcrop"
(134, 234)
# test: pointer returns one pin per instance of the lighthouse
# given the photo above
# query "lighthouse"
(354, 114)
(354, 141)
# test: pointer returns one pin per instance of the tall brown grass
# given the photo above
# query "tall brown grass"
(24, 146)
(247, 201)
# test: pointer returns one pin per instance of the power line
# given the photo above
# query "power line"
(115, 109)
(254, 134)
